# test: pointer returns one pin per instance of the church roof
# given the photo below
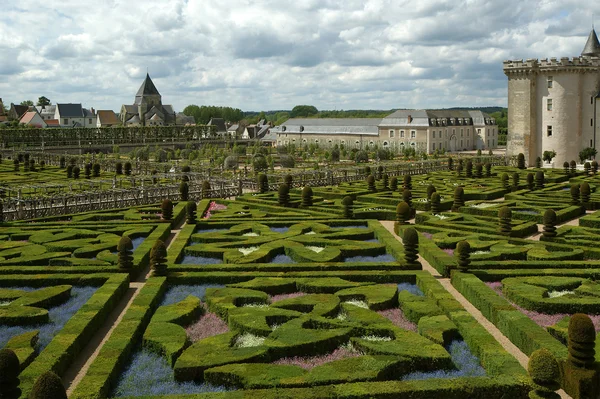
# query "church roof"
(592, 47)
(147, 88)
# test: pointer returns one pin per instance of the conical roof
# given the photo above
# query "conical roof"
(148, 88)
(592, 47)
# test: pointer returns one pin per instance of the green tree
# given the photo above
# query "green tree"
(43, 100)
(28, 103)
(304, 111)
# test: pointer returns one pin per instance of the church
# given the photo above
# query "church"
(553, 104)
(148, 109)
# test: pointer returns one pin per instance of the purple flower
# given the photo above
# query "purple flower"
(313, 361)
(396, 316)
(209, 325)
(281, 297)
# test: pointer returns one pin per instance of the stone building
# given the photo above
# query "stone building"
(148, 109)
(553, 104)
(423, 130)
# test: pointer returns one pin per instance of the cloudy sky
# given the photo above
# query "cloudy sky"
(274, 54)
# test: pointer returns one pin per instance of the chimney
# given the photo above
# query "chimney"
(93, 111)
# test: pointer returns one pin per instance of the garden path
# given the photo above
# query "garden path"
(86, 357)
(491, 328)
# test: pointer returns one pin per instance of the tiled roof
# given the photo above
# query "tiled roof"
(70, 110)
(107, 117)
(592, 46)
(27, 117)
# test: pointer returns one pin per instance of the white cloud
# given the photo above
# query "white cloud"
(274, 54)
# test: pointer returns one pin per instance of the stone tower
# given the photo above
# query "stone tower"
(148, 94)
(553, 104)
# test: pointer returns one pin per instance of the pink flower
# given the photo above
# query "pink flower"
(396, 316)
(209, 325)
(313, 361)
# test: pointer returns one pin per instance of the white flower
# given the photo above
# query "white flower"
(247, 340)
(356, 302)
(315, 249)
(558, 294)
(252, 234)
(483, 205)
(375, 338)
(309, 233)
(480, 253)
(248, 250)
(441, 217)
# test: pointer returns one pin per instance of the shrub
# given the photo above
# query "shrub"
(463, 253)
(367, 170)
(585, 191)
(430, 190)
(371, 183)
(119, 168)
(504, 220)
(206, 189)
(379, 172)
(76, 172)
(307, 197)
(530, 179)
(62, 162)
(48, 386)
(594, 167)
(582, 336)
(158, 258)
(504, 179)
(539, 180)
(538, 162)
(42, 164)
(459, 198)
(479, 170)
(386, 180)
(259, 163)
(347, 203)
(566, 167)
(548, 155)
(32, 165)
(125, 253)
(521, 161)
(407, 197)
(231, 162)
(407, 182)
(488, 169)
(283, 195)
(263, 183)
(575, 194)
(459, 168)
(26, 165)
(403, 213)
(469, 169)
(167, 209)
(289, 180)
(287, 161)
(586, 168)
(435, 203)
(573, 165)
(450, 163)
(69, 171)
(361, 156)
(410, 240)
(587, 153)
(16, 165)
(87, 170)
(543, 370)
(127, 168)
(515, 181)
(549, 223)
(9, 374)
(96, 170)
(184, 190)
(190, 211)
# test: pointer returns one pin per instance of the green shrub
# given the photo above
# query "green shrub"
(488, 169)
(69, 171)
(504, 179)
(158, 258)
(231, 162)
(167, 209)
(435, 203)
(386, 179)
(521, 161)
(575, 194)
(48, 386)
(394, 183)
(407, 182)
(371, 183)
(504, 221)
(402, 213)
(479, 170)
(361, 156)
(595, 167)
(119, 168)
(407, 197)
(469, 169)
(463, 253)
(566, 167)
(87, 170)
(263, 183)
(348, 203)
(538, 162)
(379, 172)
(184, 191)
(9, 375)
(289, 180)
(125, 253)
(543, 370)
(530, 180)
(459, 168)
(459, 198)
(62, 162)
(287, 161)
(450, 163)
(515, 181)
(410, 240)
(190, 211)
(206, 189)
(283, 195)
(586, 168)
(76, 172)
(549, 223)
(96, 170)
(585, 191)
(430, 190)
(582, 337)
(307, 197)
(539, 180)
(573, 165)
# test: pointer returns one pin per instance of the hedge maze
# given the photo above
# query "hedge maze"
(353, 291)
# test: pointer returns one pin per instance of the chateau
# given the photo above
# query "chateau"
(423, 130)
(553, 104)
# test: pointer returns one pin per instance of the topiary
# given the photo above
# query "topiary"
(158, 258)
(32, 165)
(42, 164)
(119, 168)
(521, 161)
(96, 170)
(539, 180)
(566, 167)
(206, 189)
(410, 240)
(371, 183)
(87, 170)
(289, 180)
(62, 162)
(231, 162)
(263, 183)
(407, 197)
(594, 167)
(48, 386)
(488, 169)
(530, 180)
(9, 374)
(127, 168)
(307, 197)
(69, 171)
(538, 162)
(469, 169)
(549, 223)
(430, 190)
(347, 204)
(125, 253)
(402, 213)
(185, 173)
(154, 172)
(479, 170)
(515, 181)
(283, 195)
(167, 209)
(459, 198)
(407, 182)
(450, 163)
(76, 172)
(582, 337)
(586, 168)
(367, 170)
(287, 161)
(575, 194)
(385, 181)
(184, 191)
(435, 204)
(379, 172)
(463, 253)
(545, 373)
(504, 221)
(394, 183)
(585, 191)
(190, 211)
(16, 166)
(504, 179)
(573, 167)
(459, 168)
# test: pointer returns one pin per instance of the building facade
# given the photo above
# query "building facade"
(553, 104)
(422, 130)
(147, 109)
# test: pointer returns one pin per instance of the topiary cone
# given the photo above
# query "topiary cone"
(585, 191)
(407, 182)
(158, 258)
(9, 375)
(347, 204)
(549, 223)
(410, 240)
(459, 198)
(125, 253)
(371, 183)
(283, 195)
(402, 213)
(394, 183)
(435, 204)
(582, 337)
(48, 386)
(463, 253)
(543, 370)
(504, 221)
(539, 180)
(530, 181)
(190, 210)
(575, 194)
(307, 197)
(167, 209)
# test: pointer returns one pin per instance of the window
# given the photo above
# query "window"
(479, 132)
(468, 132)
(549, 104)
(401, 133)
(461, 143)
(316, 141)
(357, 142)
(391, 133)
(433, 136)
(550, 81)
(549, 131)
(461, 132)
(591, 121)
(90, 121)
(413, 134)
(66, 122)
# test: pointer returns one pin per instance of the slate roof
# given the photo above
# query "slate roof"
(147, 87)
(70, 110)
(20, 109)
(325, 126)
(107, 117)
(88, 114)
(421, 118)
(219, 123)
(592, 46)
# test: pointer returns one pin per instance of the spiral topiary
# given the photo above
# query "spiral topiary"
(190, 212)
(430, 190)
(119, 168)
(407, 197)
(307, 197)
(283, 195)
(48, 386)
(479, 170)
(167, 209)
(367, 170)
(538, 162)
(459, 198)
(385, 182)
(410, 240)
(371, 183)
(9, 374)
(573, 165)
(62, 162)
(184, 191)
(575, 194)
(76, 172)
(125, 253)
(459, 168)
(521, 161)
(289, 180)
(347, 204)
(379, 172)
(263, 183)
(87, 170)
(206, 189)
(504, 179)
(463, 253)
(394, 183)
(450, 163)
(582, 337)
(402, 213)
(504, 221)
(594, 167)
(407, 182)
(515, 181)
(566, 167)
(158, 258)
(549, 223)
(469, 169)
(435, 204)
(545, 373)
(539, 180)
(585, 191)
(586, 168)
(530, 181)
(488, 169)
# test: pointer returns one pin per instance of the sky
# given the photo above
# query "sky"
(274, 54)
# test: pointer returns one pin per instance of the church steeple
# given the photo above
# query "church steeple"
(592, 47)
(148, 93)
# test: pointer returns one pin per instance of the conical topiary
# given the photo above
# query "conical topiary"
(76, 172)
(479, 170)
(127, 168)
(410, 240)
(504, 179)
(459, 168)
(586, 168)
(504, 221)
(158, 258)
(539, 180)
(521, 161)
(594, 167)
(407, 197)
(69, 170)
(543, 370)
(582, 337)
(538, 162)
(371, 183)
(463, 253)
(167, 209)
(379, 172)
(515, 181)
(48, 386)
(430, 190)
(566, 167)
(459, 198)
(469, 169)
(488, 169)
(347, 204)
(585, 191)
(9, 374)
(96, 170)
(307, 197)
(263, 183)
(190, 212)
(435, 204)
(385, 182)
(402, 213)
(283, 195)
(407, 182)
(575, 194)
(289, 180)
(125, 253)
(87, 170)
(549, 223)
(530, 181)
(450, 163)
(573, 165)
(184, 191)
(394, 183)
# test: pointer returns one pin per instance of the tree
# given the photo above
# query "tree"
(184, 190)
(190, 209)
(167, 209)
(587, 153)
(9, 374)
(403, 213)
(410, 240)
(48, 386)
(463, 253)
(125, 253)
(303, 111)
(543, 370)
(43, 101)
(158, 258)
(548, 156)
(27, 103)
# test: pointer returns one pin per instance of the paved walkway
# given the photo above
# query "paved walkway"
(86, 357)
(491, 328)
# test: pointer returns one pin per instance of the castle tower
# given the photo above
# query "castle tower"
(148, 94)
(553, 104)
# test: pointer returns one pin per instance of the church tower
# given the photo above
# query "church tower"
(148, 94)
